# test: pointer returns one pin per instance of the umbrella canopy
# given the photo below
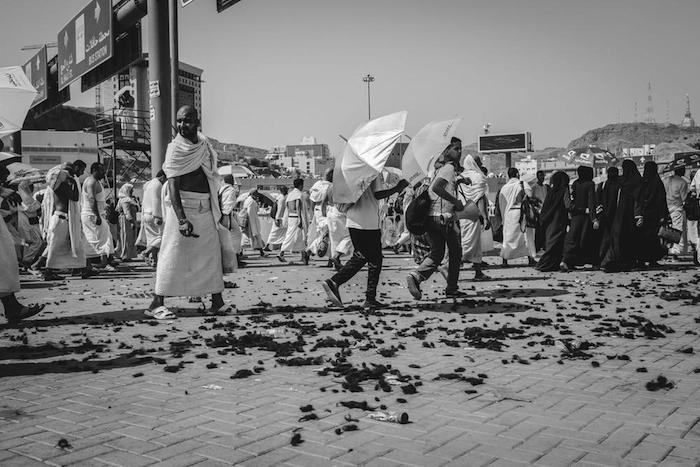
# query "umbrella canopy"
(391, 176)
(425, 147)
(20, 172)
(7, 158)
(365, 155)
(683, 159)
(267, 198)
(16, 96)
(590, 156)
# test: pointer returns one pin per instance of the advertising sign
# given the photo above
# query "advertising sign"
(37, 72)
(127, 51)
(516, 142)
(85, 42)
(54, 97)
(221, 5)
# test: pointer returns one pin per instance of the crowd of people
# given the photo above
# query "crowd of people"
(193, 228)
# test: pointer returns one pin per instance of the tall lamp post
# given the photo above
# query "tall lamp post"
(368, 79)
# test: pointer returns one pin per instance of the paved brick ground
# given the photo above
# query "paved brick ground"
(95, 375)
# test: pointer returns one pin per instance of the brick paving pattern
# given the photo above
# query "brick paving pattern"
(94, 374)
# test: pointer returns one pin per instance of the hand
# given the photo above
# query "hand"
(488, 225)
(186, 228)
(278, 222)
(14, 199)
(98, 220)
(639, 221)
(596, 225)
(401, 185)
(458, 205)
(159, 220)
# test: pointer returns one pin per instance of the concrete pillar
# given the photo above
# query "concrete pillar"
(174, 61)
(159, 80)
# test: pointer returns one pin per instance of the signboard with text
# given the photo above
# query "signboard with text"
(515, 142)
(85, 42)
(54, 97)
(221, 5)
(37, 72)
(127, 51)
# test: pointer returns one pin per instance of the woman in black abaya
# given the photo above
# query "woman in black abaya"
(580, 246)
(624, 232)
(654, 215)
(606, 196)
(554, 218)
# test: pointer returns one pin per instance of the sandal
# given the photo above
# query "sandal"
(225, 309)
(159, 313)
(24, 313)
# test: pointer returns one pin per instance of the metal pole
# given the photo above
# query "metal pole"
(174, 61)
(509, 160)
(159, 80)
(369, 103)
(368, 79)
(17, 142)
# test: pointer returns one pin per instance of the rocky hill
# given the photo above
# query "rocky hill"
(232, 152)
(621, 135)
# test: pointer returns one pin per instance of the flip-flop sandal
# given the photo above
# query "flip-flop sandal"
(161, 312)
(25, 312)
(226, 309)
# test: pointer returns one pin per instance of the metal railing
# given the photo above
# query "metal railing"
(123, 127)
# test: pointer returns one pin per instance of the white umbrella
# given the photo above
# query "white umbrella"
(364, 156)
(118, 94)
(16, 96)
(391, 176)
(425, 147)
(7, 158)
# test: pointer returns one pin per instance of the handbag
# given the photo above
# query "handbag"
(470, 211)
(322, 248)
(529, 214)
(669, 234)
(691, 206)
(228, 255)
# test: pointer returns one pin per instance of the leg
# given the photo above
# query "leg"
(157, 301)
(429, 265)
(372, 250)
(454, 246)
(15, 311)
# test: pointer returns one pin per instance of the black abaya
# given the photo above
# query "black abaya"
(554, 218)
(580, 245)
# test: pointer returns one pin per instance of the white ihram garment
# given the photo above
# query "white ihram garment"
(515, 244)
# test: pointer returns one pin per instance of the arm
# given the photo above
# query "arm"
(186, 228)
(382, 194)
(91, 190)
(483, 204)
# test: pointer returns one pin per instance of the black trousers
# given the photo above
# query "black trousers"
(368, 249)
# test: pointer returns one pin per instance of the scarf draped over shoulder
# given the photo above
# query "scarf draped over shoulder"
(183, 157)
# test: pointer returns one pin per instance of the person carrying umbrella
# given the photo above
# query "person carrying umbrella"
(366, 236)
(442, 225)
(9, 270)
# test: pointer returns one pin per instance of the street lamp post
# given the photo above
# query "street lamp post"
(368, 79)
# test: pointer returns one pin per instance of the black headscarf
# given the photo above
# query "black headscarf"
(559, 186)
(631, 178)
(652, 185)
(585, 173)
(613, 175)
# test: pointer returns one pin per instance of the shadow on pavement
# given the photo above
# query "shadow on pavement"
(525, 293)
(470, 306)
(71, 366)
(31, 352)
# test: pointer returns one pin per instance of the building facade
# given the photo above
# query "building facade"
(189, 87)
(44, 149)
(309, 159)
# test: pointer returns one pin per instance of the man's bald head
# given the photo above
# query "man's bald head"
(187, 121)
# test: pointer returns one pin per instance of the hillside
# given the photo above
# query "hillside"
(615, 136)
(234, 152)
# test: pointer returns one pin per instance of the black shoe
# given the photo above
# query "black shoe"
(480, 276)
(305, 255)
(373, 304)
(414, 287)
(396, 249)
(332, 291)
(281, 259)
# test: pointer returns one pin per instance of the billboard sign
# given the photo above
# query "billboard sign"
(37, 72)
(85, 42)
(54, 97)
(515, 142)
(127, 51)
(221, 5)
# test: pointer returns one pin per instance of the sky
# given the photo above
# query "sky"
(278, 70)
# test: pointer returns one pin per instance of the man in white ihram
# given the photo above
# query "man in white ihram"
(190, 260)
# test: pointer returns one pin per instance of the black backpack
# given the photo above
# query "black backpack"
(273, 210)
(417, 211)
(529, 212)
